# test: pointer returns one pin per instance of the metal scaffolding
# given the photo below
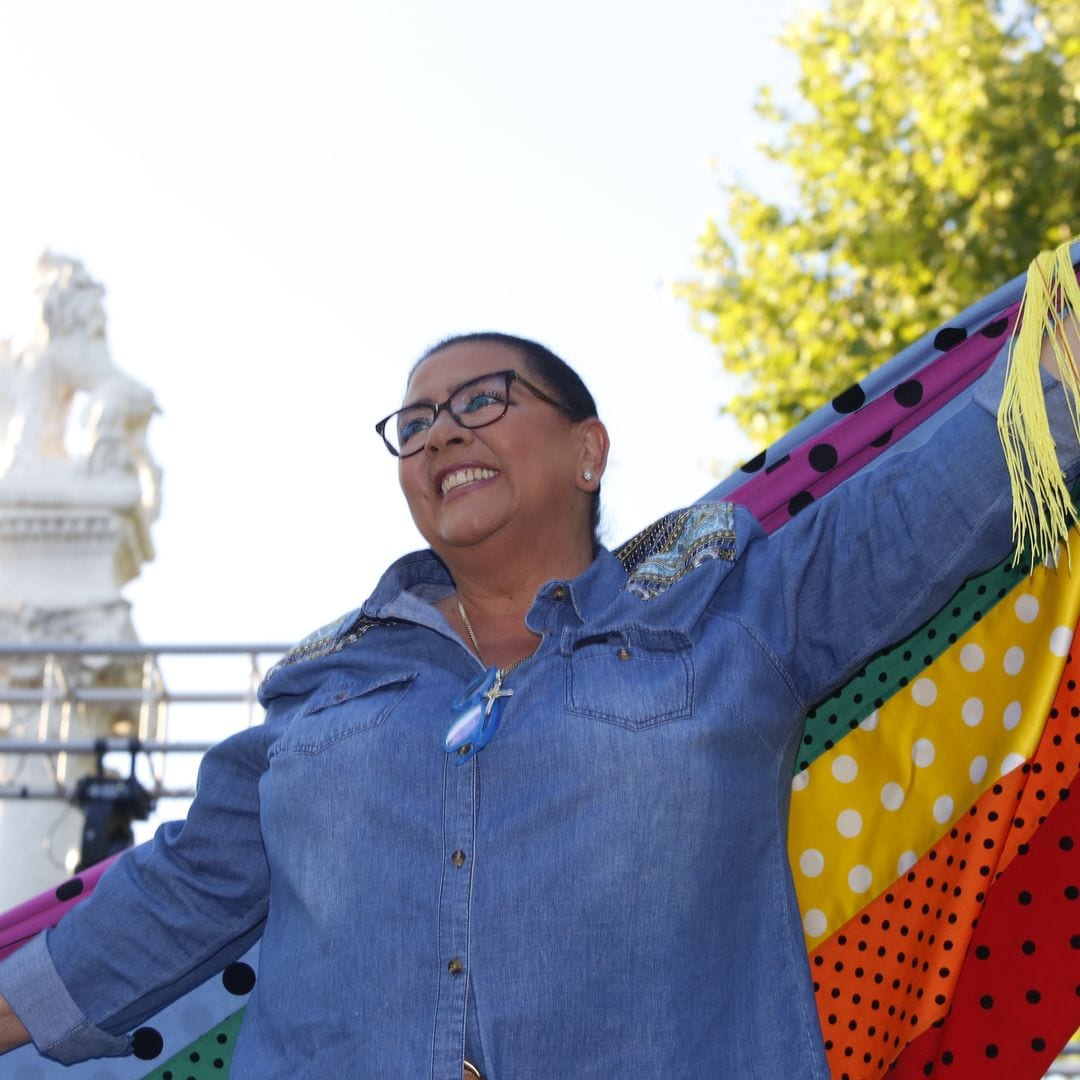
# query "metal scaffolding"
(44, 691)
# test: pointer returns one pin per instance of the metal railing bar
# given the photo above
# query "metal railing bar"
(114, 745)
(124, 696)
(16, 791)
(91, 648)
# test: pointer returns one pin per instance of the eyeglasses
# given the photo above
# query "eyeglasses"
(475, 404)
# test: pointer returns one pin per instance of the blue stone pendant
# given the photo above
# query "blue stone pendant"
(476, 715)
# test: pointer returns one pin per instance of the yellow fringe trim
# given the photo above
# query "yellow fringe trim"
(1042, 507)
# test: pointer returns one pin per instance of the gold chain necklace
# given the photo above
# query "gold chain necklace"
(502, 672)
(476, 712)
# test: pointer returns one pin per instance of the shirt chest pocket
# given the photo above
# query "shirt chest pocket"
(635, 677)
(342, 707)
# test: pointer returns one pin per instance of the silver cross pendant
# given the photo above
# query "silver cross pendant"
(494, 692)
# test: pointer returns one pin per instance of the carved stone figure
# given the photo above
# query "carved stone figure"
(72, 424)
(67, 412)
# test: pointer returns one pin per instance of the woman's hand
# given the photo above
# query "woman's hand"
(12, 1032)
(1072, 340)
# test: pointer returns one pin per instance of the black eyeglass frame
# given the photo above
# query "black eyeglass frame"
(511, 376)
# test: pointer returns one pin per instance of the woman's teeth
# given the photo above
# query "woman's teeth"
(465, 476)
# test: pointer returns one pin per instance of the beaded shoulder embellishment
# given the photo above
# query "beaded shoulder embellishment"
(676, 544)
(329, 639)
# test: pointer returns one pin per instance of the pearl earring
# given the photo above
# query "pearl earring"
(586, 475)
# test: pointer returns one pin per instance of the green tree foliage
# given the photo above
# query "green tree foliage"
(934, 148)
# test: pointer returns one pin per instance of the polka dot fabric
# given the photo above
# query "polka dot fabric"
(890, 973)
(778, 489)
(209, 1056)
(1017, 1000)
(895, 668)
(27, 920)
(864, 811)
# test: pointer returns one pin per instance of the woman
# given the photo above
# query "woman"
(526, 808)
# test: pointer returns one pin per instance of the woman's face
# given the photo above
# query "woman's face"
(526, 468)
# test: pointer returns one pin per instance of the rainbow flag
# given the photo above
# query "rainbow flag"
(935, 805)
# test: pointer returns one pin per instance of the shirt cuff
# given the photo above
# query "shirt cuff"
(31, 986)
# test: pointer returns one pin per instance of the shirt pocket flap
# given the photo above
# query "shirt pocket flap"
(342, 705)
(632, 676)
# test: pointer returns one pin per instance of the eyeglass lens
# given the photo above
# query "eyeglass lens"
(480, 401)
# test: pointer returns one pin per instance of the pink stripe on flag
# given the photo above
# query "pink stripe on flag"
(830, 457)
(21, 923)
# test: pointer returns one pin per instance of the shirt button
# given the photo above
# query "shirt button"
(458, 858)
(559, 592)
(623, 654)
(455, 966)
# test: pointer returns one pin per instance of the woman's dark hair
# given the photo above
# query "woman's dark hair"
(554, 373)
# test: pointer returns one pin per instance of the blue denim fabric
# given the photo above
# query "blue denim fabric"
(621, 903)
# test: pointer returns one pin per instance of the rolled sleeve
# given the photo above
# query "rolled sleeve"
(30, 984)
(162, 919)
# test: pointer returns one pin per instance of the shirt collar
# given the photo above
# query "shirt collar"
(584, 595)
(421, 578)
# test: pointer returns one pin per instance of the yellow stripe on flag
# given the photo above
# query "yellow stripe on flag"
(867, 809)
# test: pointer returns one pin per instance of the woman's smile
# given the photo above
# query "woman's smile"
(464, 478)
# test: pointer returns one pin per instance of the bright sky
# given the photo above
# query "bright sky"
(287, 203)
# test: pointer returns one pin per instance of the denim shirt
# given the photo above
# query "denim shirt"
(604, 889)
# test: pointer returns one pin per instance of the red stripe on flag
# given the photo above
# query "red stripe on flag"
(1017, 1001)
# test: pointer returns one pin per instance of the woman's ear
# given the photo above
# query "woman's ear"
(594, 452)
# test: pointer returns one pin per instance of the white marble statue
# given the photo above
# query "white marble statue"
(72, 424)
(79, 488)
(79, 491)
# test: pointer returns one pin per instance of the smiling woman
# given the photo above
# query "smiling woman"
(523, 813)
(507, 502)
(483, 402)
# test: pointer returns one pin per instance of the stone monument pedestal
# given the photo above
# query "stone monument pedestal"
(62, 558)
(59, 568)
(79, 491)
